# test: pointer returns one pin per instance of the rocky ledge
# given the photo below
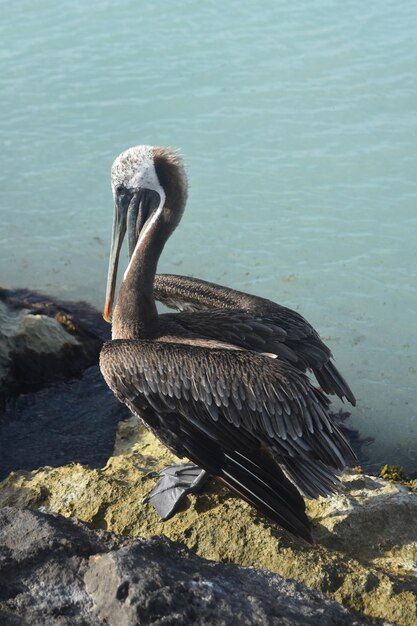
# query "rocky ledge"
(366, 536)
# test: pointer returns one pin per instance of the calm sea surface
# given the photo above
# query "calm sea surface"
(298, 123)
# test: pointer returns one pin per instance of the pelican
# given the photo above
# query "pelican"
(223, 387)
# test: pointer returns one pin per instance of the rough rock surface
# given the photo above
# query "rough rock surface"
(366, 550)
(57, 571)
(42, 341)
(57, 425)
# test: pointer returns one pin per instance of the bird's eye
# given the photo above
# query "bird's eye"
(123, 195)
(121, 190)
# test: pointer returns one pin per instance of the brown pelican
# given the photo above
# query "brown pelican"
(221, 398)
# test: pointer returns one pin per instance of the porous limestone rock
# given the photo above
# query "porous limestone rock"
(366, 536)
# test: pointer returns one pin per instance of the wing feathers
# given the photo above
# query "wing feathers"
(268, 399)
(250, 322)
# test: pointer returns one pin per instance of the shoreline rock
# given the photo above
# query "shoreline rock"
(53, 399)
(55, 571)
(42, 341)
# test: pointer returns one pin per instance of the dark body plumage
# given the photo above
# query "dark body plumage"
(203, 381)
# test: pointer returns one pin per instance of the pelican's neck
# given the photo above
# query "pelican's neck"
(135, 315)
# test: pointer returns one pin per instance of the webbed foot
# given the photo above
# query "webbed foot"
(176, 482)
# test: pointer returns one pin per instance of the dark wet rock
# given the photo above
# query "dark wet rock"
(58, 571)
(43, 340)
(67, 422)
(54, 405)
(42, 304)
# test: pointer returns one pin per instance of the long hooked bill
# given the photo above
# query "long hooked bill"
(131, 215)
(118, 234)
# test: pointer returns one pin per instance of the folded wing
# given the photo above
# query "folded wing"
(254, 422)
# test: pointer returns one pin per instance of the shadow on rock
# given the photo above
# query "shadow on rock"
(66, 422)
(54, 405)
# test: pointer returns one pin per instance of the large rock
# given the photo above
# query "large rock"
(55, 571)
(365, 555)
(45, 348)
(43, 341)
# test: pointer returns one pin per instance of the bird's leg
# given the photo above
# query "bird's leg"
(176, 482)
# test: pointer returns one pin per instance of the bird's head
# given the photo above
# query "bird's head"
(149, 185)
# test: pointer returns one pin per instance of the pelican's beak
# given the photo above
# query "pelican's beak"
(119, 231)
(131, 213)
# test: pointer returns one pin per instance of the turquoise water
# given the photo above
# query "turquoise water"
(298, 123)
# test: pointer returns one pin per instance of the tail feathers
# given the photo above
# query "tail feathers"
(328, 446)
(268, 490)
(331, 381)
(315, 472)
(312, 478)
